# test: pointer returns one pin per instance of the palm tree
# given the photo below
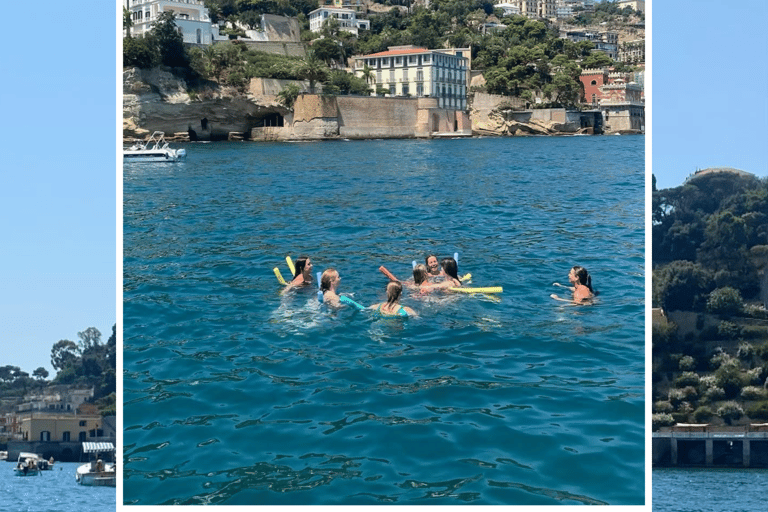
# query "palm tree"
(127, 21)
(368, 74)
(312, 69)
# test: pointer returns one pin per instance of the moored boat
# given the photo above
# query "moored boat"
(27, 465)
(97, 472)
(155, 149)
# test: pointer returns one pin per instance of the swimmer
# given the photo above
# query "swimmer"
(450, 270)
(303, 274)
(582, 285)
(420, 275)
(328, 283)
(433, 268)
(392, 307)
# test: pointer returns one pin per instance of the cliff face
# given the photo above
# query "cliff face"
(154, 99)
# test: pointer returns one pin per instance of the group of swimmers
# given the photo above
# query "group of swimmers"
(434, 274)
(430, 276)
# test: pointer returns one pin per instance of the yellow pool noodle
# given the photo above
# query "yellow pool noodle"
(491, 289)
(468, 276)
(279, 276)
(289, 261)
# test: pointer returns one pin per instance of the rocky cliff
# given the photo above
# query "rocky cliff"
(155, 99)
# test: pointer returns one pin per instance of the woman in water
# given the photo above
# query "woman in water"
(302, 273)
(433, 268)
(328, 283)
(420, 275)
(582, 285)
(392, 307)
(450, 270)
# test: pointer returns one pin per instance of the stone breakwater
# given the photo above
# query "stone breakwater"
(155, 99)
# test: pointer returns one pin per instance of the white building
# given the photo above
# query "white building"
(569, 8)
(192, 18)
(347, 18)
(508, 8)
(413, 71)
(57, 400)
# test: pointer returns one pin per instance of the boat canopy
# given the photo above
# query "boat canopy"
(98, 447)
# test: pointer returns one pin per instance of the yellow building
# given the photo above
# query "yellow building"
(60, 427)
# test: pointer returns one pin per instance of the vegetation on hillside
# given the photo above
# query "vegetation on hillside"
(525, 59)
(710, 254)
(86, 363)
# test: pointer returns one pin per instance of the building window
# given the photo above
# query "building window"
(392, 89)
(426, 58)
(81, 437)
(45, 435)
(419, 76)
(405, 90)
(593, 82)
(65, 436)
(82, 423)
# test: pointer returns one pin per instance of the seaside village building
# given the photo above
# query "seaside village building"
(530, 8)
(191, 17)
(619, 97)
(347, 18)
(412, 71)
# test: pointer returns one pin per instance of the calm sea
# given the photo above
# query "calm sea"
(234, 394)
(709, 490)
(53, 491)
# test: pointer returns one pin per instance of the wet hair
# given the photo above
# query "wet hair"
(451, 267)
(327, 279)
(394, 289)
(299, 266)
(583, 277)
(419, 274)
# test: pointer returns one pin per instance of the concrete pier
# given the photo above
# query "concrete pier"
(711, 447)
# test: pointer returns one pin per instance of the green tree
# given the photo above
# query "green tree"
(288, 95)
(682, 285)
(127, 21)
(327, 50)
(169, 41)
(40, 374)
(63, 354)
(89, 338)
(312, 69)
(140, 52)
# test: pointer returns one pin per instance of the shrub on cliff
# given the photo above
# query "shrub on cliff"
(662, 420)
(758, 411)
(703, 414)
(730, 411)
(140, 52)
(725, 300)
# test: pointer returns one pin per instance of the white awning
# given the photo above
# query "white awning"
(98, 447)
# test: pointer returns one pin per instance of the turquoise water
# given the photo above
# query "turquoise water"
(234, 394)
(52, 491)
(709, 490)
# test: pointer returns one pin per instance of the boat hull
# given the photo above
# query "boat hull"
(154, 156)
(85, 476)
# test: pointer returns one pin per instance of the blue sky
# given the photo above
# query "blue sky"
(57, 185)
(710, 87)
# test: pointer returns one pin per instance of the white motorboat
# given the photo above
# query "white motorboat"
(97, 472)
(154, 149)
(27, 465)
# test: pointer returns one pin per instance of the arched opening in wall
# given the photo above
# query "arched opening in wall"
(455, 122)
(435, 123)
(273, 119)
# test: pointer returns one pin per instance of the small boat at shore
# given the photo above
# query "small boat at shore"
(97, 472)
(154, 149)
(27, 465)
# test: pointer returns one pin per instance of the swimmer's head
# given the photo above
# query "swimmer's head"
(450, 267)
(329, 277)
(302, 265)
(579, 274)
(419, 274)
(394, 289)
(433, 267)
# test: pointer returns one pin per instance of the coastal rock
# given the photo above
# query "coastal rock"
(155, 99)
